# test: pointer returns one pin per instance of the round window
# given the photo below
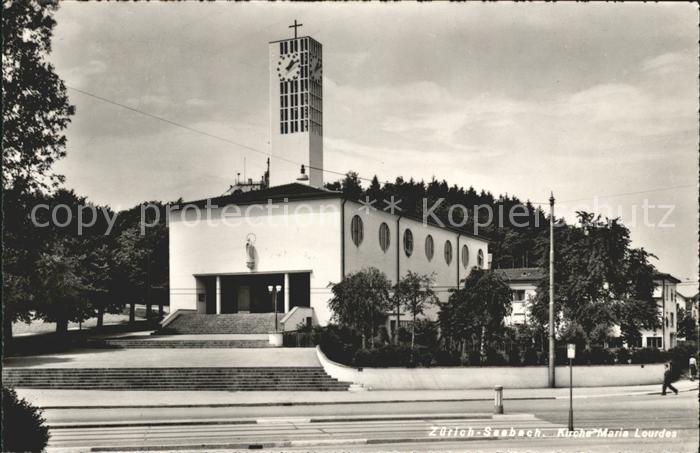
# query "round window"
(408, 242)
(429, 247)
(357, 231)
(465, 255)
(384, 237)
(448, 252)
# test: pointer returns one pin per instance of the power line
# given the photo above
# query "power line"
(204, 133)
(338, 173)
(660, 189)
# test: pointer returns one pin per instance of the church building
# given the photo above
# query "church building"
(281, 247)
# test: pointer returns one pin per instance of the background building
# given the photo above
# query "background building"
(523, 283)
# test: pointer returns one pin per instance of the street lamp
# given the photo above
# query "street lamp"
(571, 354)
(274, 289)
(551, 290)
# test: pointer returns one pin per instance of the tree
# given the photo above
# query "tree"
(36, 109)
(62, 295)
(23, 426)
(414, 293)
(140, 260)
(600, 281)
(361, 300)
(687, 326)
(477, 309)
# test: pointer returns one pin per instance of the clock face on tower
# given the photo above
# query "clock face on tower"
(316, 69)
(289, 67)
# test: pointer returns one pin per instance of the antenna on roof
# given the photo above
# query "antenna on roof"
(303, 176)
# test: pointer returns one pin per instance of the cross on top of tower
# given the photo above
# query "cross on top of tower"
(295, 26)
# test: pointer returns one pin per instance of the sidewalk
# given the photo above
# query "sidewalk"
(57, 399)
(169, 358)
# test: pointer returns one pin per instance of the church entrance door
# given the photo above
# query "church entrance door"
(243, 298)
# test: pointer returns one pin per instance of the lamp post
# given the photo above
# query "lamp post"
(571, 354)
(551, 290)
(274, 289)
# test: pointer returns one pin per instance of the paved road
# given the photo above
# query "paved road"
(619, 414)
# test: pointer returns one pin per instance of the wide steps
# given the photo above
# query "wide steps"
(228, 379)
(232, 323)
(187, 344)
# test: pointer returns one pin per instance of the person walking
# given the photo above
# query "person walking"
(667, 380)
(693, 367)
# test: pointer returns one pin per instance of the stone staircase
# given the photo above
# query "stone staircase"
(233, 323)
(181, 344)
(226, 379)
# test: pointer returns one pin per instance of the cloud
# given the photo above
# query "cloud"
(197, 102)
(80, 76)
(669, 63)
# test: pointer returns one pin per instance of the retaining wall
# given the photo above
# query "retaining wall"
(444, 378)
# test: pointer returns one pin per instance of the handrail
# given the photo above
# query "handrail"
(291, 313)
(171, 316)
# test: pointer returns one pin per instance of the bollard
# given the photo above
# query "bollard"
(498, 400)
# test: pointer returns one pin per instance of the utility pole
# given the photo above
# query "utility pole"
(551, 290)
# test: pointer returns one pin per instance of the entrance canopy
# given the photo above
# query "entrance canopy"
(248, 293)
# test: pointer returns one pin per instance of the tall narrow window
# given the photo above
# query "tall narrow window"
(480, 259)
(465, 255)
(408, 242)
(357, 230)
(448, 252)
(384, 237)
(429, 247)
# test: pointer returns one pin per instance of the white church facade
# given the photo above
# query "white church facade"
(294, 236)
(302, 239)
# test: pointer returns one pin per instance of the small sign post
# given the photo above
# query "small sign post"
(571, 355)
(498, 399)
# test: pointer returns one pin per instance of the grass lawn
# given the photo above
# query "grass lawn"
(38, 326)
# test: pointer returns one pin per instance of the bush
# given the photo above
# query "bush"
(23, 426)
(649, 355)
(560, 356)
(386, 356)
(597, 356)
(427, 333)
(531, 357)
(446, 358)
(679, 356)
(473, 358)
(338, 343)
(514, 357)
(623, 356)
(495, 358)
(404, 335)
(298, 339)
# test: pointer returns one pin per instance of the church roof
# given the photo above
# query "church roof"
(295, 192)
(521, 274)
(291, 192)
(665, 276)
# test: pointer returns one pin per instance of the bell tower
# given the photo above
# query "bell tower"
(296, 110)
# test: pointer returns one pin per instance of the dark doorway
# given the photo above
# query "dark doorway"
(300, 290)
(249, 293)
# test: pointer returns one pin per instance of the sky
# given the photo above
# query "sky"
(597, 103)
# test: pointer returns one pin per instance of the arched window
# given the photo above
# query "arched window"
(408, 242)
(448, 252)
(480, 259)
(429, 247)
(465, 255)
(384, 237)
(357, 230)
